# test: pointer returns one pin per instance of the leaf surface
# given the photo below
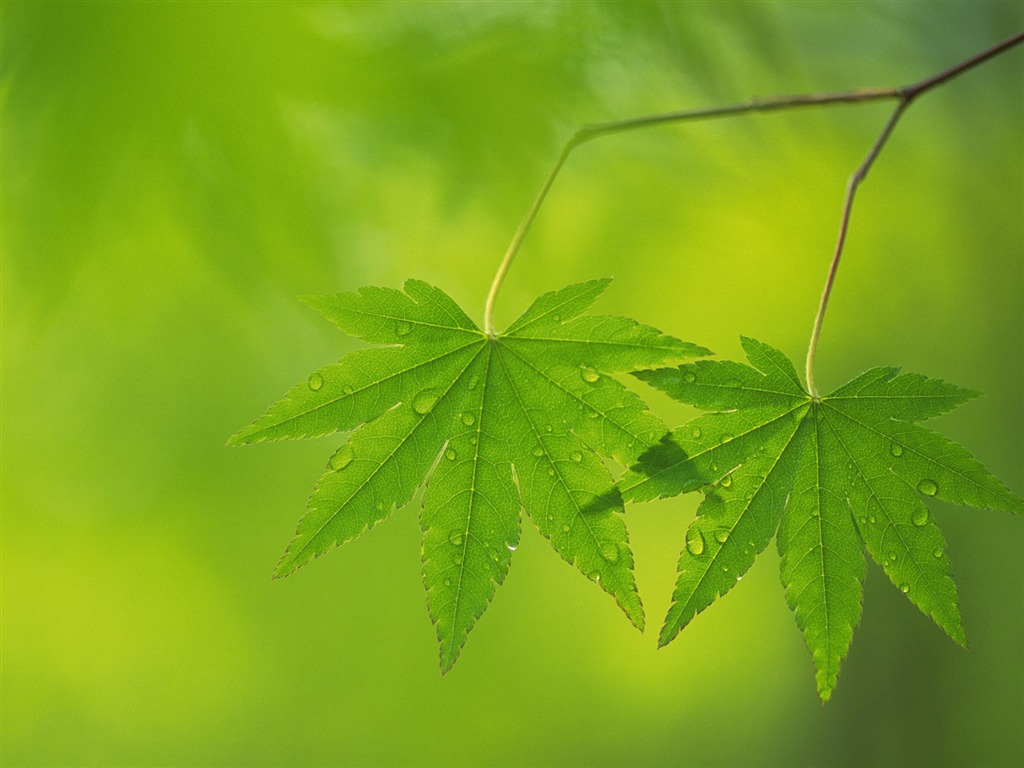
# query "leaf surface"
(492, 425)
(827, 478)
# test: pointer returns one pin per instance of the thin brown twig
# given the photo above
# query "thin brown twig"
(905, 95)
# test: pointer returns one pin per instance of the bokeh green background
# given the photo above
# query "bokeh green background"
(175, 174)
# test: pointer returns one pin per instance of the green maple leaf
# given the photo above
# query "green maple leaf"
(828, 477)
(494, 425)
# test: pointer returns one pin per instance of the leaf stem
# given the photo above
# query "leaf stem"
(905, 95)
(851, 190)
(592, 131)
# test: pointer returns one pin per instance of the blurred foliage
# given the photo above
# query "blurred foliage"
(173, 174)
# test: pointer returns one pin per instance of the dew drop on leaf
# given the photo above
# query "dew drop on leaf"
(424, 402)
(455, 538)
(727, 481)
(402, 328)
(347, 389)
(928, 487)
(594, 575)
(938, 552)
(473, 382)
(551, 471)
(577, 456)
(689, 376)
(511, 546)
(610, 552)
(468, 419)
(892, 556)
(315, 381)
(695, 542)
(447, 582)
(341, 458)
(904, 588)
(896, 450)
(451, 454)
(722, 535)
(589, 375)
(696, 433)
(920, 517)
(538, 451)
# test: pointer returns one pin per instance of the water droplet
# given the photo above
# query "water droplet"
(455, 538)
(904, 588)
(920, 516)
(938, 552)
(451, 454)
(551, 471)
(548, 428)
(871, 519)
(341, 458)
(696, 433)
(896, 450)
(594, 575)
(512, 546)
(593, 415)
(473, 382)
(468, 419)
(695, 542)
(863, 520)
(565, 528)
(892, 556)
(557, 318)
(347, 389)
(472, 440)
(589, 375)
(726, 438)
(722, 535)
(380, 506)
(577, 456)
(538, 451)
(610, 552)
(402, 328)
(447, 582)
(315, 381)
(424, 402)
(727, 481)
(928, 487)
(725, 569)
(689, 376)
(849, 464)
(456, 560)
